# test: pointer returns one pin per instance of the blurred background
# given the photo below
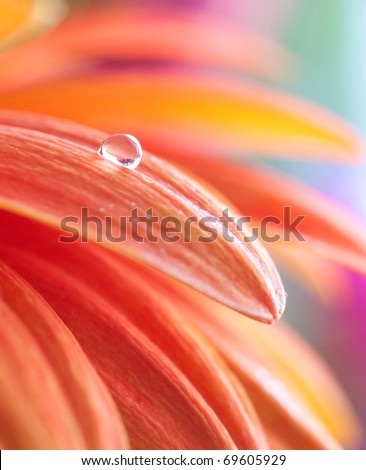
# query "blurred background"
(327, 39)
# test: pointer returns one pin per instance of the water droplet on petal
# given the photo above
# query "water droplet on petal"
(122, 149)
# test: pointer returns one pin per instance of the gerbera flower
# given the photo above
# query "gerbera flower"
(141, 344)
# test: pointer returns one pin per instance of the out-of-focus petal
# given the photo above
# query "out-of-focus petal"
(143, 34)
(60, 402)
(193, 114)
(173, 35)
(329, 285)
(287, 382)
(55, 177)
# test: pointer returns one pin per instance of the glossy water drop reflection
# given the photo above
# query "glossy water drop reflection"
(122, 149)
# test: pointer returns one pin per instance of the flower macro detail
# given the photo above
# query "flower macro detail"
(158, 345)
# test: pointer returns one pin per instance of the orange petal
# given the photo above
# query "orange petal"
(160, 407)
(285, 379)
(328, 229)
(246, 280)
(60, 401)
(193, 114)
(291, 404)
(154, 315)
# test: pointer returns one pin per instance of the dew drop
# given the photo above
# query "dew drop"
(122, 149)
